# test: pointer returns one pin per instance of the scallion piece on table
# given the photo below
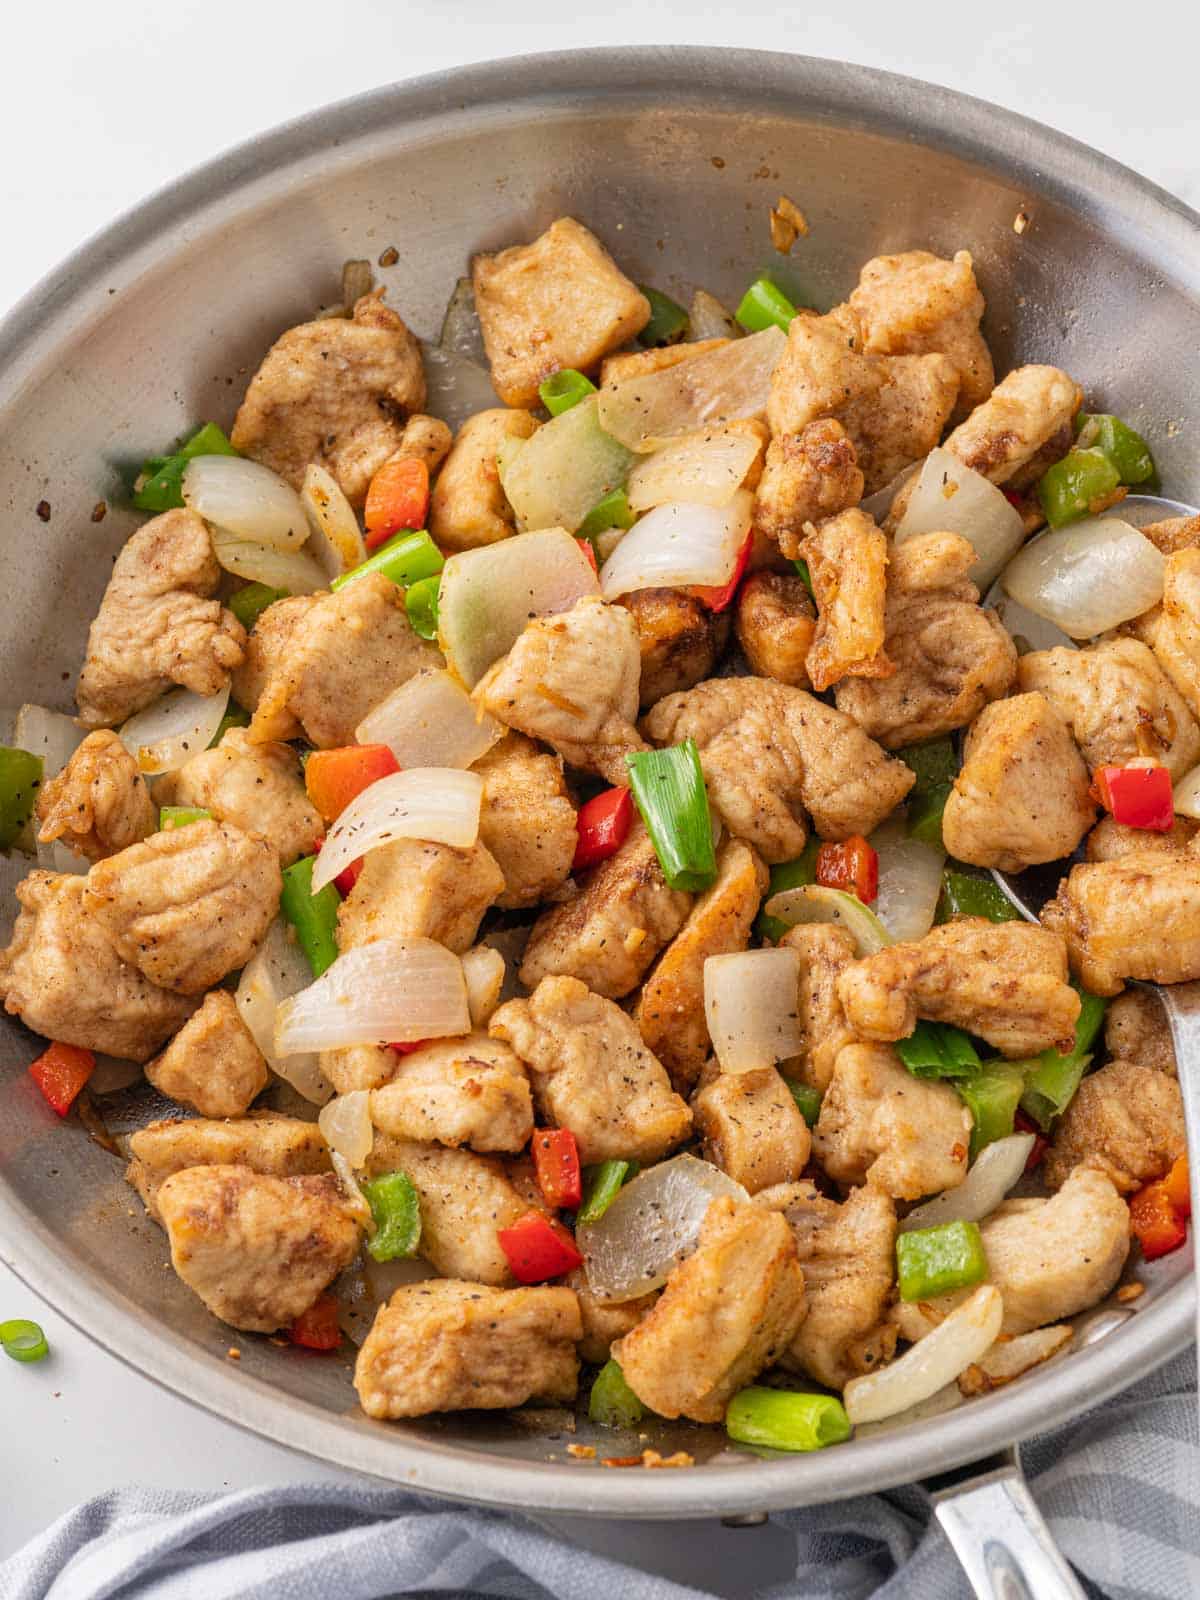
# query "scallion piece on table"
(779, 1419)
(314, 916)
(668, 320)
(180, 816)
(935, 1050)
(249, 603)
(992, 1097)
(764, 306)
(807, 1100)
(805, 576)
(20, 778)
(397, 1213)
(159, 484)
(23, 1341)
(601, 1186)
(612, 1403)
(1053, 1077)
(668, 786)
(1123, 445)
(787, 875)
(933, 1261)
(421, 603)
(565, 389)
(1072, 486)
(235, 717)
(612, 511)
(406, 559)
(965, 895)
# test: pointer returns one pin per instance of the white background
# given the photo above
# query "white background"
(106, 100)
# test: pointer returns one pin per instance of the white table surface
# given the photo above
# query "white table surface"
(104, 102)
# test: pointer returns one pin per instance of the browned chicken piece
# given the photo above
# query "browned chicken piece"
(280, 1147)
(645, 363)
(257, 1250)
(605, 1321)
(156, 625)
(1110, 840)
(278, 628)
(1175, 533)
(679, 640)
(1005, 982)
(472, 1091)
(880, 1125)
(212, 1064)
(468, 506)
(847, 1255)
(1136, 1029)
(1176, 639)
(426, 439)
(1028, 408)
(447, 1345)
(808, 475)
(62, 976)
(561, 301)
(847, 560)
(1125, 1119)
(99, 802)
(1021, 797)
(1118, 703)
(775, 621)
(411, 889)
(825, 953)
(572, 680)
(611, 932)
(359, 1066)
(592, 1073)
(951, 656)
(351, 649)
(727, 1312)
(187, 906)
(257, 787)
(916, 303)
(527, 820)
(337, 392)
(670, 1010)
(1137, 917)
(906, 420)
(750, 1127)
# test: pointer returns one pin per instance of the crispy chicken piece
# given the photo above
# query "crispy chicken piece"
(359, 1066)
(1138, 917)
(880, 1125)
(670, 1010)
(1125, 1119)
(1029, 407)
(447, 1345)
(156, 625)
(342, 657)
(592, 1073)
(99, 802)
(847, 559)
(847, 1255)
(605, 1321)
(212, 1064)
(561, 301)
(679, 639)
(335, 391)
(645, 363)
(775, 621)
(187, 906)
(1136, 1029)
(951, 657)
(278, 628)
(63, 977)
(257, 1250)
(727, 1312)
(1005, 982)
(280, 1147)
(412, 889)
(808, 475)
(527, 820)
(1110, 840)
(1175, 533)
(751, 1128)
(572, 680)
(426, 439)
(610, 933)
(1176, 640)
(906, 419)
(468, 506)
(825, 953)
(472, 1091)
(1118, 703)
(1021, 797)
(257, 787)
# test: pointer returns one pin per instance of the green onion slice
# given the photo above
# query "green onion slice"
(405, 559)
(668, 320)
(612, 1403)
(564, 390)
(180, 816)
(781, 1419)
(23, 1341)
(764, 306)
(668, 786)
(421, 603)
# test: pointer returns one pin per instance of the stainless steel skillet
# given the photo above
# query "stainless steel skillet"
(153, 326)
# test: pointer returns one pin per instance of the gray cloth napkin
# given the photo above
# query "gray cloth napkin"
(1120, 1487)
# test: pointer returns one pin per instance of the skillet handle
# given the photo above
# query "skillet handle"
(1002, 1540)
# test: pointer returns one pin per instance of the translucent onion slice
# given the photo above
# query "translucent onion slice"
(351, 1193)
(1088, 577)
(719, 386)
(55, 738)
(438, 804)
(1187, 794)
(750, 1008)
(456, 387)
(910, 881)
(554, 478)
(277, 970)
(1010, 1358)
(966, 1334)
(487, 596)
(708, 318)
(677, 545)
(951, 498)
(814, 903)
(430, 721)
(345, 1122)
(651, 1226)
(246, 498)
(878, 505)
(707, 468)
(996, 1169)
(395, 991)
(293, 570)
(174, 729)
(335, 541)
(460, 333)
(484, 970)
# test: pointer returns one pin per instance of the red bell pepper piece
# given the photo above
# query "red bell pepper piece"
(719, 596)
(398, 497)
(335, 777)
(556, 1162)
(1157, 1225)
(852, 865)
(317, 1328)
(60, 1072)
(1138, 797)
(1041, 1144)
(1178, 1186)
(589, 551)
(406, 1048)
(538, 1248)
(603, 823)
(348, 876)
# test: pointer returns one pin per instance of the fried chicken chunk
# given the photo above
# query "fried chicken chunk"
(472, 1091)
(1176, 639)
(808, 475)
(825, 953)
(1136, 1029)
(679, 639)
(527, 820)
(1021, 416)
(99, 802)
(279, 1147)
(212, 1063)
(156, 625)
(605, 1321)
(847, 560)
(410, 889)
(257, 787)
(468, 506)
(278, 628)
(337, 392)
(1125, 1119)
(775, 621)
(1138, 917)
(1110, 840)
(751, 1128)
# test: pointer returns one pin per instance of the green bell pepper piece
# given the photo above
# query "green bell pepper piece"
(612, 1403)
(20, 779)
(314, 916)
(249, 603)
(159, 485)
(935, 1050)
(1124, 447)
(764, 306)
(668, 320)
(397, 1212)
(421, 603)
(965, 895)
(991, 1097)
(933, 1261)
(807, 1100)
(787, 875)
(1070, 487)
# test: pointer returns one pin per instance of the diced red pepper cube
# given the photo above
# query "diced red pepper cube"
(589, 551)
(1041, 1144)
(719, 597)
(348, 877)
(60, 1072)
(1177, 1184)
(556, 1163)
(406, 1047)
(397, 498)
(317, 1328)
(851, 865)
(1137, 797)
(1157, 1225)
(538, 1248)
(603, 824)
(335, 777)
